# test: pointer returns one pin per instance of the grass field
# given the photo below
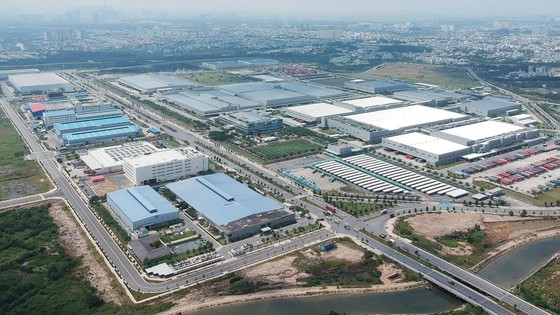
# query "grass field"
(18, 177)
(543, 288)
(448, 76)
(218, 78)
(285, 149)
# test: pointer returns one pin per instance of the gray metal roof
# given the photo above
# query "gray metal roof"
(145, 82)
(221, 199)
(490, 104)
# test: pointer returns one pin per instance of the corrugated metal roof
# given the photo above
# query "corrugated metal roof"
(92, 123)
(142, 202)
(222, 199)
(85, 135)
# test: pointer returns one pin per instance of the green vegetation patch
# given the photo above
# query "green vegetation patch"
(543, 288)
(286, 149)
(474, 236)
(18, 177)
(218, 78)
(36, 274)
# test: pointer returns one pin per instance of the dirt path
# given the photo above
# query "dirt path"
(196, 302)
(76, 244)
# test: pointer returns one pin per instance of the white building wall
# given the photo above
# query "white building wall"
(166, 171)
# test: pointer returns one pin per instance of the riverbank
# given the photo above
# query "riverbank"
(513, 244)
(194, 302)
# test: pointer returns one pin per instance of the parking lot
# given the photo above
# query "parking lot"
(527, 184)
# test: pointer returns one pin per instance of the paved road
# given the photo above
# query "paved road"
(131, 276)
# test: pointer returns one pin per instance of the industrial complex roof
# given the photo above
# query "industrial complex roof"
(311, 89)
(142, 202)
(318, 110)
(249, 117)
(37, 107)
(489, 104)
(113, 156)
(221, 199)
(272, 95)
(373, 101)
(209, 101)
(421, 96)
(37, 79)
(151, 82)
(427, 143)
(405, 117)
(483, 130)
(156, 157)
(92, 123)
(87, 135)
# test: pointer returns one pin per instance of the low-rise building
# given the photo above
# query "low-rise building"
(251, 123)
(491, 107)
(231, 207)
(141, 207)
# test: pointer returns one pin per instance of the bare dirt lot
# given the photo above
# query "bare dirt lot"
(111, 183)
(76, 244)
(281, 271)
(498, 228)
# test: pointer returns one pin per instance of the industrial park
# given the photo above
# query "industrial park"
(353, 160)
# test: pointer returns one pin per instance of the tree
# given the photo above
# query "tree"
(510, 213)
(523, 213)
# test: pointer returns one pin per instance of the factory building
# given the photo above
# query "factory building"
(371, 103)
(312, 113)
(423, 97)
(61, 129)
(141, 207)
(373, 126)
(37, 110)
(491, 107)
(150, 83)
(164, 165)
(80, 112)
(231, 207)
(489, 135)
(110, 159)
(375, 87)
(251, 123)
(39, 82)
(87, 137)
(434, 150)
(210, 102)
(4, 74)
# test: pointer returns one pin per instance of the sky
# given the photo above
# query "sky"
(312, 8)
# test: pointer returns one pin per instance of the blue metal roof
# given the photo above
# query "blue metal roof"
(58, 112)
(91, 123)
(222, 199)
(101, 133)
(94, 115)
(142, 202)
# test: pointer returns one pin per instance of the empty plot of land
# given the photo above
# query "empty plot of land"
(18, 177)
(285, 149)
(454, 77)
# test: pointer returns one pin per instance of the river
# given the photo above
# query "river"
(418, 301)
(514, 266)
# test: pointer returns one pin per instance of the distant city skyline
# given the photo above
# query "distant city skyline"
(310, 8)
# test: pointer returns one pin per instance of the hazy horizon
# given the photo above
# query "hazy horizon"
(310, 8)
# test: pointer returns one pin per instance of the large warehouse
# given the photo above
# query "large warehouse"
(487, 135)
(371, 103)
(375, 87)
(90, 125)
(312, 113)
(434, 150)
(490, 107)
(373, 126)
(150, 83)
(233, 208)
(141, 207)
(210, 102)
(251, 123)
(110, 159)
(164, 165)
(423, 97)
(101, 136)
(39, 82)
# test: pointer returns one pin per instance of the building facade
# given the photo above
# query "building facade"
(165, 165)
(251, 123)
